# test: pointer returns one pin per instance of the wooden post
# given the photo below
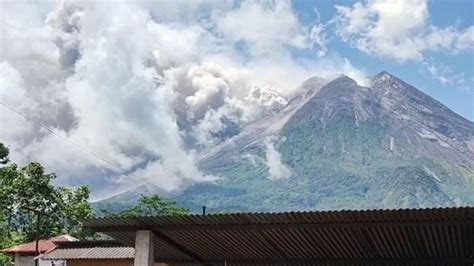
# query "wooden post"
(144, 248)
(37, 238)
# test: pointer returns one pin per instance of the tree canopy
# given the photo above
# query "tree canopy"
(150, 206)
(3, 154)
(27, 190)
(24, 190)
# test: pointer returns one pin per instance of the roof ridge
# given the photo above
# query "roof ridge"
(286, 213)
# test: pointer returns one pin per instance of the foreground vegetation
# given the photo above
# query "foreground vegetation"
(28, 190)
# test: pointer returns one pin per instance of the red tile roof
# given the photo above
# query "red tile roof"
(44, 246)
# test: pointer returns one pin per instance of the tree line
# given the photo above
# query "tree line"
(26, 190)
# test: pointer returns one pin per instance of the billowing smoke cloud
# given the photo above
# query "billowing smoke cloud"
(276, 168)
(146, 87)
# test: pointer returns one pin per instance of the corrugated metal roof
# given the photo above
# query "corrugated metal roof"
(435, 235)
(89, 244)
(342, 216)
(90, 253)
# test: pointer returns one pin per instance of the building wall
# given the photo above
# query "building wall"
(29, 261)
(52, 263)
(24, 260)
(116, 262)
(121, 262)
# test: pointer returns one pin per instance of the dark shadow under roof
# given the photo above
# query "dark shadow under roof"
(444, 235)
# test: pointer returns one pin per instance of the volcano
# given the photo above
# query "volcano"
(340, 145)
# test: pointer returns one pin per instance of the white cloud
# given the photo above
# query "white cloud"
(13, 94)
(318, 38)
(399, 30)
(268, 27)
(276, 168)
(450, 38)
(120, 113)
(445, 75)
(184, 11)
(143, 88)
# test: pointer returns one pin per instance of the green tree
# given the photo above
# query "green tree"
(27, 188)
(7, 238)
(75, 206)
(30, 187)
(3, 154)
(150, 206)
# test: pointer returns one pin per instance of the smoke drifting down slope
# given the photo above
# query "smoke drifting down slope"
(144, 87)
(341, 146)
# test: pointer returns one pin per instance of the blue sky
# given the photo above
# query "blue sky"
(441, 13)
(132, 82)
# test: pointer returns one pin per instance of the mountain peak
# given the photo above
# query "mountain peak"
(383, 72)
(344, 79)
(384, 76)
(347, 146)
(384, 80)
(313, 82)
